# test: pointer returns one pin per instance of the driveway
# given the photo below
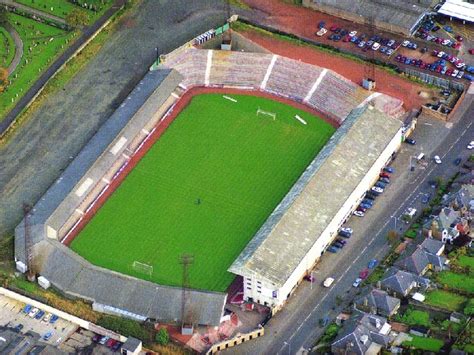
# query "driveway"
(296, 327)
(40, 149)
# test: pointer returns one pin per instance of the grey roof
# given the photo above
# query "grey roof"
(398, 280)
(302, 216)
(403, 13)
(415, 262)
(448, 217)
(378, 299)
(349, 338)
(432, 246)
(131, 344)
(78, 278)
(74, 275)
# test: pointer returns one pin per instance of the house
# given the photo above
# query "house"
(420, 261)
(377, 301)
(463, 200)
(447, 226)
(401, 283)
(132, 346)
(363, 334)
(433, 246)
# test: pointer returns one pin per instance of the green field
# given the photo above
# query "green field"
(445, 300)
(422, 343)
(204, 188)
(456, 281)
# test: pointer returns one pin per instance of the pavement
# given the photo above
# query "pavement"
(18, 47)
(44, 145)
(296, 327)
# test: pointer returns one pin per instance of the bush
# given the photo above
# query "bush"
(469, 308)
(162, 337)
(410, 234)
(124, 326)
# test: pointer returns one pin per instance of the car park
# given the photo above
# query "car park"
(357, 282)
(372, 264)
(359, 213)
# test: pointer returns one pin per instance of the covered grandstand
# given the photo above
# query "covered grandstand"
(98, 169)
(397, 16)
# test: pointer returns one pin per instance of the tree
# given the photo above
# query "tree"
(392, 237)
(3, 78)
(469, 309)
(3, 15)
(162, 337)
(77, 18)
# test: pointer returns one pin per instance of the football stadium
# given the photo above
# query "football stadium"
(244, 164)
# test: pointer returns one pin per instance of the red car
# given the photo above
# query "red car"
(333, 28)
(110, 343)
(459, 38)
(346, 38)
(385, 175)
(471, 51)
(363, 274)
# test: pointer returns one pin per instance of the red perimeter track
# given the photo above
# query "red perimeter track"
(161, 128)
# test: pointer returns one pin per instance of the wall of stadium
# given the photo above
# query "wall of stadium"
(262, 292)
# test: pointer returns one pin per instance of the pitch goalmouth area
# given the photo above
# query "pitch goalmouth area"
(204, 188)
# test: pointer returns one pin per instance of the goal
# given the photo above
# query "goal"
(142, 268)
(266, 113)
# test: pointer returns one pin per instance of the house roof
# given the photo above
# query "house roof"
(317, 197)
(379, 299)
(415, 262)
(132, 344)
(360, 332)
(398, 280)
(447, 218)
(432, 246)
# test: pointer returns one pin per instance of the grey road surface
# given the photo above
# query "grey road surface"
(43, 146)
(295, 328)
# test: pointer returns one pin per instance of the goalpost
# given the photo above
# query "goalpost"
(142, 268)
(266, 113)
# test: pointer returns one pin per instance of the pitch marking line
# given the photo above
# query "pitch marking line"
(229, 98)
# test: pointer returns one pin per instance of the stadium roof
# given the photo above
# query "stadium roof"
(314, 201)
(459, 9)
(402, 13)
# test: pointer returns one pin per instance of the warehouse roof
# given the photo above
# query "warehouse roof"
(315, 200)
(403, 13)
(459, 9)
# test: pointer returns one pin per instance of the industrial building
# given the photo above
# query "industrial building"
(397, 16)
(307, 220)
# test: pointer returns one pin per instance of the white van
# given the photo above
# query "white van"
(328, 282)
(420, 156)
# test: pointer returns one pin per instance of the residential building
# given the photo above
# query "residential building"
(420, 261)
(363, 334)
(401, 283)
(447, 226)
(378, 302)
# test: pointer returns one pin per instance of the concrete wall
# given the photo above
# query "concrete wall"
(238, 339)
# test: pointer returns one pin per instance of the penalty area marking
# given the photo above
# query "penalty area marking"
(229, 98)
(300, 119)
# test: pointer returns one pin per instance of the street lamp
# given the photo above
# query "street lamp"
(289, 347)
(395, 219)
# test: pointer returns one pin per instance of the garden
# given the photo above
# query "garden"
(445, 300)
(424, 343)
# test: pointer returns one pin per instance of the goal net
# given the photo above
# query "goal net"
(266, 113)
(142, 268)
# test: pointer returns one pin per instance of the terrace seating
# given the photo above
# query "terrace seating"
(238, 69)
(191, 63)
(291, 78)
(337, 96)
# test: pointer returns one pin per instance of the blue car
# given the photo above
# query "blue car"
(365, 205)
(47, 336)
(27, 308)
(407, 61)
(353, 39)
(368, 202)
(39, 315)
(53, 319)
(372, 263)
(389, 169)
(333, 249)
(425, 198)
(380, 184)
(321, 24)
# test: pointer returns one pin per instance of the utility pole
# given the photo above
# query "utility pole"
(28, 243)
(368, 82)
(186, 260)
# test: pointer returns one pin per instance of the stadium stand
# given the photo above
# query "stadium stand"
(292, 78)
(335, 96)
(228, 69)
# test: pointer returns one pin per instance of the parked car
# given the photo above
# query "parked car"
(363, 274)
(338, 245)
(321, 24)
(110, 343)
(96, 338)
(425, 198)
(372, 264)
(47, 335)
(361, 44)
(471, 51)
(457, 161)
(385, 180)
(368, 201)
(361, 209)
(410, 141)
(343, 32)
(27, 308)
(39, 315)
(437, 159)
(309, 278)
(46, 318)
(346, 230)
(33, 312)
(352, 33)
(333, 28)
(103, 340)
(19, 327)
(357, 282)
(470, 146)
(364, 206)
(380, 184)
(376, 190)
(376, 46)
(389, 169)
(328, 282)
(117, 346)
(321, 32)
(359, 213)
(53, 319)
(342, 241)
(333, 249)
(405, 43)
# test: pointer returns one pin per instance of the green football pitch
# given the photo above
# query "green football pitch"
(204, 188)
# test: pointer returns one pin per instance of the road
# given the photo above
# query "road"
(296, 327)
